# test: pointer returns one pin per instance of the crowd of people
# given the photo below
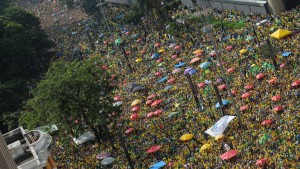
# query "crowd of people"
(273, 94)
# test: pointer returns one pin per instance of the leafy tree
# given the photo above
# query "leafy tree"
(75, 95)
(3, 4)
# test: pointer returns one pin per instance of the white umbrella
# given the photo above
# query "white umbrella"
(172, 45)
(107, 161)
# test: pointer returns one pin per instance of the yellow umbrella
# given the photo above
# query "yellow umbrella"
(280, 33)
(138, 60)
(161, 51)
(136, 102)
(205, 147)
(220, 137)
(195, 60)
(243, 51)
(186, 137)
(198, 51)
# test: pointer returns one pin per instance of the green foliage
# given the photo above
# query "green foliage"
(3, 5)
(77, 90)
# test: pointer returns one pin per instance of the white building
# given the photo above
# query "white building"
(29, 150)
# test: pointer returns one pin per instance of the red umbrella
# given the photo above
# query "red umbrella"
(130, 130)
(117, 98)
(229, 154)
(262, 161)
(222, 87)
(135, 108)
(278, 108)
(273, 81)
(172, 80)
(234, 92)
(249, 87)
(260, 76)
(202, 85)
(105, 42)
(150, 114)
(296, 83)
(228, 48)
(155, 103)
(174, 56)
(244, 108)
(134, 116)
(151, 96)
(159, 60)
(158, 112)
(246, 95)
(157, 74)
(153, 149)
(267, 122)
(157, 45)
(231, 70)
(104, 67)
(177, 47)
(199, 54)
(149, 102)
(276, 98)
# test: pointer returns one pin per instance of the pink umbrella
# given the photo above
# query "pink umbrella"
(276, 98)
(231, 70)
(153, 149)
(244, 108)
(195, 60)
(177, 47)
(262, 161)
(249, 87)
(149, 102)
(228, 48)
(157, 45)
(229, 154)
(151, 96)
(267, 122)
(222, 87)
(155, 103)
(117, 98)
(234, 92)
(150, 114)
(157, 74)
(282, 65)
(246, 95)
(273, 81)
(278, 109)
(158, 112)
(260, 76)
(170, 81)
(202, 85)
(135, 108)
(130, 130)
(128, 33)
(159, 60)
(134, 116)
(174, 56)
(296, 83)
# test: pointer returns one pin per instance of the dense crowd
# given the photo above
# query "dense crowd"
(276, 141)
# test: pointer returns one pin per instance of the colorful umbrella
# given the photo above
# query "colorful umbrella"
(130, 130)
(267, 122)
(222, 87)
(285, 54)
(186, 137)
(149, 102)
(172, 45)
(161, 50)
(135, 108)
(190, 71)
(155, 103)
(277, 109)
(150, 114)
(205, 147)
(174, 56)
(273, 81)
(195, 60)
(153, 149)
(198, 51)
(159, 60)
(177, 47)
(177, 70)
(243, 51)
(162, 79)
(224, 102)
(107, 161)
(155, 56)
(171, 81)
(136, 102)
(296, 83)
(151, 96)
(180, 64)
(249, 87)
(138, 60)
(134, 116)
(276, 98)
(198, 54)
(158, 112)
(157, 45)
(228, 48)
(244, 108)
(234, 92)
(262, 161)
(117, 98)
(231, 70)
(229, 154)
(246, 95)
(260, 76)
(202, 85)
(205, 65)
(220, 137)
(158, 165)
(157, 74)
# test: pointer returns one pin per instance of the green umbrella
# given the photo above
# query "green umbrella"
(264, 139)
(118, 41)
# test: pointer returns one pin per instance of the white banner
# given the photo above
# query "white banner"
(218, 128)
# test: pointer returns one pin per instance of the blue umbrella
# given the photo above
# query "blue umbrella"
(286, 54)
(162, 79)
(224, 102)
(180, 64)
(190, 71)
(167, 88)
(205, 65)
(158, 165)
(155, 56)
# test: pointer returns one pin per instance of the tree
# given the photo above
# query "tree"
(75, 95)
(3, 4)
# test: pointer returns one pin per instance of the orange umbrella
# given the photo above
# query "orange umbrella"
(246, 95)
(156, 102)
(229, 154)
(278, 109)
(195, 60)
(151, 96)
(249, 87)
(276, 98)
(130, 130)
(134, 116)
(153, 149)
(267, 122)
(260, 76)
(202, 85)
(273, 81)
(231, 70)
(244, 108)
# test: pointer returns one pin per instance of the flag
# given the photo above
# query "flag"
(218, 128)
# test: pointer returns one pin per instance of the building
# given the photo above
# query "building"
(25, 150)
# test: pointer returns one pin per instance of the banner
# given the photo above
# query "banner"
(218, 128)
